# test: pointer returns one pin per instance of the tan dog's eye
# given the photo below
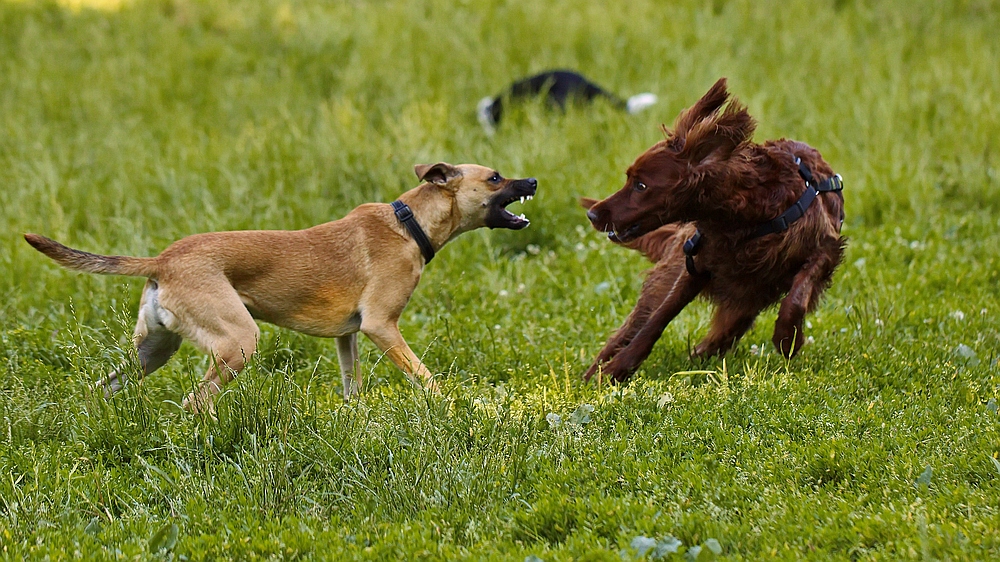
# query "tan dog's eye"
(494, 178)
(639, 186)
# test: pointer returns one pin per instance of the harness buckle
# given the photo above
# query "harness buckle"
(403, 212)
(689, 247)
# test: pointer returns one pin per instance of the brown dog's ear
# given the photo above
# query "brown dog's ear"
(704, 108)
(438, 174)
(587, 202)
(714, 138)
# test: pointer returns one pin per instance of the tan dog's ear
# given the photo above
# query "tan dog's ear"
(587, 202)
(439, 174)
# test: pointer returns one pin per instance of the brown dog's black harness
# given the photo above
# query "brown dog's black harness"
(405, 216)
(780, 224)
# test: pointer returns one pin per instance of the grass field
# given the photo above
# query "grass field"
(122, 130)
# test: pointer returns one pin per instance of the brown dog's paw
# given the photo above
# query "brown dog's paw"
(788, 342)
(618, 370)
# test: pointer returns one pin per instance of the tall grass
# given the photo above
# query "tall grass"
(122, 130)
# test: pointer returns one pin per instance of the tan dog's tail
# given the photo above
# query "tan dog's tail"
(92, 263)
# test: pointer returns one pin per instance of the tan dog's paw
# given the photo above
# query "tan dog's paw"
(199, 403)
(432, 385)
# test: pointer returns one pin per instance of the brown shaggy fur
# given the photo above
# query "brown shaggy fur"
(707, 174)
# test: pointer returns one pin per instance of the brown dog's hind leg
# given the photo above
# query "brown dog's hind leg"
(808, 285)
(385, 334)
(347, 354)
(683, 290)
(728, 326)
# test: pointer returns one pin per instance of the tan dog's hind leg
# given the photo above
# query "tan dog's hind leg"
(230, 354)
(347, 353)
(154, 343)
(385, 334)
(219, 324)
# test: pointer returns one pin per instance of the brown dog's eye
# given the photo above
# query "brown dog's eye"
(639, 186)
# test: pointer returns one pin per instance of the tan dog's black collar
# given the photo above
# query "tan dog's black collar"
(405, 216)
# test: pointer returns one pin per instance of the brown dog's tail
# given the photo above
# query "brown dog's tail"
(92, 263)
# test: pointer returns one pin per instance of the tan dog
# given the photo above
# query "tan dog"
(331, 280)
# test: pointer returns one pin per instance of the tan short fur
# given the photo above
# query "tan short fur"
(331, 280)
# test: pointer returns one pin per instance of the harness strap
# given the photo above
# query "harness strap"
(781, 223)
(691, 247)
(405, 216)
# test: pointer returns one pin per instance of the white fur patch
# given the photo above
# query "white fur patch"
(639, 102)
(484, 115)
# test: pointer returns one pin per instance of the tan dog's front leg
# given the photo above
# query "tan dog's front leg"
(347, 353)
(385, 334)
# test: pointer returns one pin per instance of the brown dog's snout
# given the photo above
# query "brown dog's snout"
(598, 215)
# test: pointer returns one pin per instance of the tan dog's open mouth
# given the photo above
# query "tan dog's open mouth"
(516, 190)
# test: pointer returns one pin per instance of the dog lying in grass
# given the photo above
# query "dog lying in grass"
(332, 280)
(558, 87)
(744, 224)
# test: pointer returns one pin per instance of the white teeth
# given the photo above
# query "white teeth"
(529, 197)
(522, 200)
(522, 217)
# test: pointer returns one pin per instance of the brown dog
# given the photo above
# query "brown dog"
(739, 222)
(331, 280)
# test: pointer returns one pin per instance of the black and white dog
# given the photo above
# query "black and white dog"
(558, 87)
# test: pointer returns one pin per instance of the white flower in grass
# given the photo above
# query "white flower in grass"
(958, 315)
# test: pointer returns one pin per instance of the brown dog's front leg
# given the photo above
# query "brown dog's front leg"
(684, 289)
(807, 286)
(655, 291)
(387, 338)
